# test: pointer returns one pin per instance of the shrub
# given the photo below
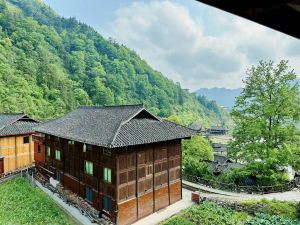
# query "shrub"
(267, 219)
(178, 221)
(208, 213)
(274, 207)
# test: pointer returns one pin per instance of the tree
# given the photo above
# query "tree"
(195, 151)
(266, 114)
(198, 148)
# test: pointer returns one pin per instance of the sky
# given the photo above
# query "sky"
(189, 42)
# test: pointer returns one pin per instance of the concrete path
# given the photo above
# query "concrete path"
(169, 211)
(71, 211)
(226, 195)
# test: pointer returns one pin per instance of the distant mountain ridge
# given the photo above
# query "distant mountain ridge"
(223, 96)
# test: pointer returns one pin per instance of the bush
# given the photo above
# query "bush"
(236, 176)
(274, 207)
(266, 219)
(208, 213)
(178, 221)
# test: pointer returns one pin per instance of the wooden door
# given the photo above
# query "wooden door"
(1, 165)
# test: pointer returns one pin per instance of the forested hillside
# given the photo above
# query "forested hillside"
(49, 65)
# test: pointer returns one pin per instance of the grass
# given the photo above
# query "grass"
(209, 213)
(21, 203)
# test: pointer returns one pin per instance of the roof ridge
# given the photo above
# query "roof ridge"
(122, 123)
(108, 106)
(179, 124)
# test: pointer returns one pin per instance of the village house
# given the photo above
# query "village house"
(125, 161)
(16, 145)
(217, 130)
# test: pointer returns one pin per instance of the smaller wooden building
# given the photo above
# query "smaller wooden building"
(125, 161)
(217, 130)
(16, 145)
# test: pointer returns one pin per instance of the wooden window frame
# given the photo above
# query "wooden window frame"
(89, 167)
(56, 138)
(48, 151)
(106, 152)
(90, 189)
(57, 154)
(26, 140)
(107, 172)
(106, 202)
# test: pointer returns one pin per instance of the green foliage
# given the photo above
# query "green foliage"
(273, 207)
(197, 147)
(49, 65)
(209, 214)
(175, 119)
(266, 114)
(195, 151)
(266, 219)
(234, 176)
(21, 203)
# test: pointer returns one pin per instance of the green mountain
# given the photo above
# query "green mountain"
(49, 65)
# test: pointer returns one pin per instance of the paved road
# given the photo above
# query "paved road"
(226, 195)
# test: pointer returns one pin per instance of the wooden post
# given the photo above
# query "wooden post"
(168, 173)
(136, 184)
(153, 180)
(16, 153)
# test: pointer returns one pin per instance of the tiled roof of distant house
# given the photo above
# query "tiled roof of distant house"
(16, 124)
(114, 126)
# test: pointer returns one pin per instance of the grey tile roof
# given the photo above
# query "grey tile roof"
(217, 128)
(114, 126)
(16, 123)
(143, 131)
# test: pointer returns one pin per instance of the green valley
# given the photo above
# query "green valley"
(49, 65)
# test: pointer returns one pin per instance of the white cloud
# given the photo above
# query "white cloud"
(174, 42)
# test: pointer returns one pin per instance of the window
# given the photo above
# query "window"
(149, 170)
(88, 193)
(71, 142)
(48, 151)
(107, 175)
(57, 155)
(39, 149)
(107, 152)
(48, 137)
(56, 138)
(87, 147)
(26, 140)
(88, 167)
(106, 204)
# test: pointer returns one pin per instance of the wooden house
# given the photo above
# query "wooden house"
(217, 130)
(125, 161)
(16, 145)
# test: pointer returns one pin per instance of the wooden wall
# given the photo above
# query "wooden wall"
(145, 178)
(149, 179)
(72, 171)
(16, 153)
